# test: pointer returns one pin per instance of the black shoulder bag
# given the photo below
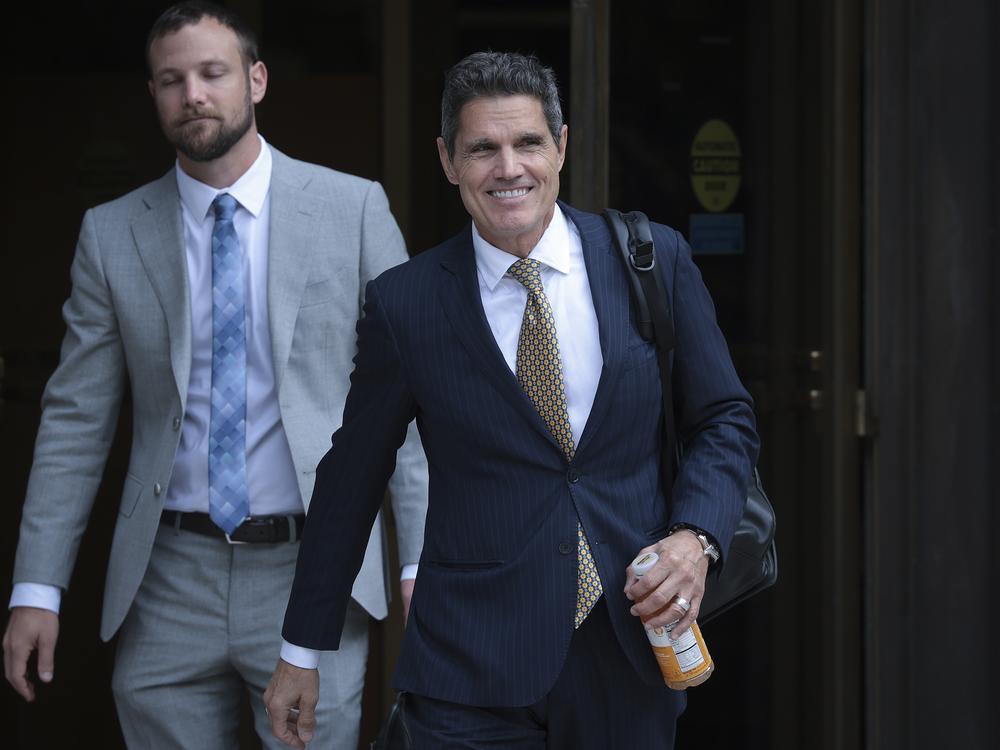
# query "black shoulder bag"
(394, 734)
(752, 562)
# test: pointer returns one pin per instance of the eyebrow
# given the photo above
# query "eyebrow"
(202, 64)
(479, 143)
(529, 137)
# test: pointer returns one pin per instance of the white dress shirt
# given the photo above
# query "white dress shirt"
(567, 287)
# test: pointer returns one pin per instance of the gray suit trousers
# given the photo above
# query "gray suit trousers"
(205, 623)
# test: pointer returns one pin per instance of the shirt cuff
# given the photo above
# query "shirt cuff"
(40, 595)
(299, 656)
(409, 572)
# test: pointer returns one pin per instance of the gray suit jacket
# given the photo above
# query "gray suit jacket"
(129, 320)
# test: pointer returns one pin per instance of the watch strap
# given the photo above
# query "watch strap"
(709, 547)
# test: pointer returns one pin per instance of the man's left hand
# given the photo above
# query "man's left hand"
(290, 701)
(680, 572)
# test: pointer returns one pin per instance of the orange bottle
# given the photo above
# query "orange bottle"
(684, 661)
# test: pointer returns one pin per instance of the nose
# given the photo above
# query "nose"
(508, 166)
(194, 92)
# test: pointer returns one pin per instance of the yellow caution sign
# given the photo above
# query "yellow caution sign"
(715, 166)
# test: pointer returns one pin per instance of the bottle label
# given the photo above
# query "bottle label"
(689, 656)
(686, 648)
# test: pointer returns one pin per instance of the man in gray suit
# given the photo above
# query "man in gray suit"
(225, 296)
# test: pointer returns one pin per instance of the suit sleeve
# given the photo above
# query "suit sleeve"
(382, 247)
(715, 422)
(350, 485)
(79, 416)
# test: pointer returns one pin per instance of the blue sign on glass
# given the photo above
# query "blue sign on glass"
(716, 234)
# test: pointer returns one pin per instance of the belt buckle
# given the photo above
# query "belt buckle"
(236, 541)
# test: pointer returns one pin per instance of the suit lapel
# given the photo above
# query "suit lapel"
(463, 305)
(609, 289)
(293, 239)
(159, 238)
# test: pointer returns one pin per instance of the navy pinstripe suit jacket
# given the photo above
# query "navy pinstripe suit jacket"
(492, 611)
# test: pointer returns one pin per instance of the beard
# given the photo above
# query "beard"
(206, 141)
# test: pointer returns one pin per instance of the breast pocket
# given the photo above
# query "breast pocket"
(642, 354)
(317, 293)
(311, 327)
(316, 311)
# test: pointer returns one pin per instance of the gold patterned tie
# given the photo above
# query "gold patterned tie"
(539, 371)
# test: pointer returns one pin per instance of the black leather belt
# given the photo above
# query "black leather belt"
(254, 530)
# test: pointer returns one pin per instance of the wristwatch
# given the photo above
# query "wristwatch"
(708, 547)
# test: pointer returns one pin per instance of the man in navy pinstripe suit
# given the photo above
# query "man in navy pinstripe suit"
(494, 654)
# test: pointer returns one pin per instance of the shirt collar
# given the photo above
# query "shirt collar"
(249, 190)
(552, 250)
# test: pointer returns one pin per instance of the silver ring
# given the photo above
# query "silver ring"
(681, 602)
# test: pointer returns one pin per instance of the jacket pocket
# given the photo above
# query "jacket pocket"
(464, 564)
(131, 493)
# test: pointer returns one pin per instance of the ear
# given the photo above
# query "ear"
(563, 139)
(446, 165)
(152, 88)
(258, 81)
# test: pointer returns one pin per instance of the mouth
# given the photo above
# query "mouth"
(198, 118)
(510, 194)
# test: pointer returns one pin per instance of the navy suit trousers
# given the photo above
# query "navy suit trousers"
(597, 703)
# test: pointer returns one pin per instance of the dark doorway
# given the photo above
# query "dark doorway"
(739, 124)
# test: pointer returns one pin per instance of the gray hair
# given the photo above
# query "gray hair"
(498, 74)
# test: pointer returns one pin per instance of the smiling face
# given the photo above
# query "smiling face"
(204, 90)
(506, 166)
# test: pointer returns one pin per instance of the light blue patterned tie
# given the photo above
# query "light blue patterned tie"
(229, 501)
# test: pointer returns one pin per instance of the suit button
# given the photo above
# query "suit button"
(565, 548)
(573, 476)
(157, 489)
(177, 423)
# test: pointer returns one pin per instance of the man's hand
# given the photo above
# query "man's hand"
(29, 629)
(406, 590)
(680, 572)
(290, 701)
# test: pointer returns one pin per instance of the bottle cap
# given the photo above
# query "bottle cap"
(644, 563)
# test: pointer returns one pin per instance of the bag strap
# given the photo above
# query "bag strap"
(635, 243)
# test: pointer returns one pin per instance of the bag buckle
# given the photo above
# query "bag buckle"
(645, 250)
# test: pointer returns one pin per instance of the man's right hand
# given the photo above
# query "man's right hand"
(29, 629)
